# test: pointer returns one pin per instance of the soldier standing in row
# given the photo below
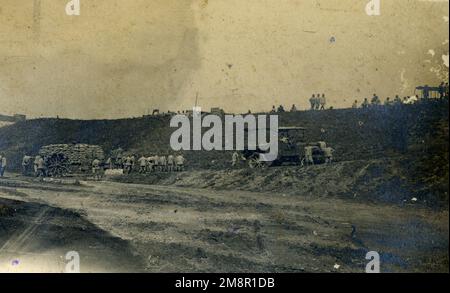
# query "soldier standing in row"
(133, 162)
(96, 172)
(162, 163)
(179, 162)
(143, 163)
(170, 163)
(155, 162)
(109, 164)
(26, 165)
(150, 163)
(39, 165)
(119, 161)
(328, 154)
(309, 156)
(128, 165)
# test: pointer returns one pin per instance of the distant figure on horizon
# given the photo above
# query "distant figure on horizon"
(388, 102)
(375, 100)
(323, 102)
(312, 101)
(365, 104)
(355, 104)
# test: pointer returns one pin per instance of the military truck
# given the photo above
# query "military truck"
(291, 149)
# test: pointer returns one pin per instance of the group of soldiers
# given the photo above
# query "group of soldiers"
(155, 163)
(376, 101)
(34, 165)
(172, 163)
(318, 102)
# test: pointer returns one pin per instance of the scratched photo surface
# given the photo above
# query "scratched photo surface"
(116, 156)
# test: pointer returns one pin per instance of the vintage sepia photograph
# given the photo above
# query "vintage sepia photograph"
(224, 136)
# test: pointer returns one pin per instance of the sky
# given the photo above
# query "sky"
(123, 58)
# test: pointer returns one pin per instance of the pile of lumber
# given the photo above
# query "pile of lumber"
(77, 154)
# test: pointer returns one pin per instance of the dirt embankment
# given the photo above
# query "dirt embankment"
(354, 133)
(389, 154)
(382, 180)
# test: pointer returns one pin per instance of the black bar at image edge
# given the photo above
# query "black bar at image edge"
(222, 282)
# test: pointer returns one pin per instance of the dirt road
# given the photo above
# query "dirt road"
(128, 227)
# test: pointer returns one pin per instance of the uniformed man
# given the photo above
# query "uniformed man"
(162, 163)
(355, 104)
(2, 164)
(128, 163)
(143, 164)
(40, 166)
(170, 163)
(322, 102)
(236, 158)
(26, 165)
(96, 172)
(309, 155)
(365, 103)
(109, 163)
(155, 162)
(35, 164)
(119, 162)
(150, 163)
(133, 162)
(388, 102)
(397, 100)
(179, 162)
(312, 101)
(375, 100)
(328, 154)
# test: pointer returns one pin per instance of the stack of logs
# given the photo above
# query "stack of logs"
(77, 154)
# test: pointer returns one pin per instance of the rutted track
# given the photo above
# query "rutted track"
(173, 229)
